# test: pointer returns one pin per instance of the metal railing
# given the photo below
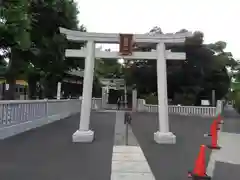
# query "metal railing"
(20, 111)
(183, 110)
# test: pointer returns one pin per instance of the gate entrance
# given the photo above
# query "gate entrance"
(113, 96)
(126, 41)
(113, 89)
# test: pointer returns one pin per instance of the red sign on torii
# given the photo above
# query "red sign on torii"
(126, 44)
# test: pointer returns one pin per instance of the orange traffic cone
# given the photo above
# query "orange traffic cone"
(214, 136)
(214, 126)
(199, 171)
(218, 122)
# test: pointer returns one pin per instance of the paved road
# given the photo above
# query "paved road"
(230, 112)
(49, 154)
(231, 125)
(171, 162)
(232, 120)
(224, 170)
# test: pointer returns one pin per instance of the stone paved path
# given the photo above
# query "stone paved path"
(120, 132)
(128, 160)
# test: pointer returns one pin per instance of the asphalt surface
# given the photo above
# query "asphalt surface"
(223, 170)
(226, 171)
(231, 125)
(231, 120)
(47, 153)
(230, 112)
(171, 162)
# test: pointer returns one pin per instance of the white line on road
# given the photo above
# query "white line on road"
(128, 162)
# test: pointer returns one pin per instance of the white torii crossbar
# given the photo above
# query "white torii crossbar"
(163, 135)
(78, 36)
(115, 55)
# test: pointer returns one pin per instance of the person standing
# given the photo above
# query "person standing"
(118, 103)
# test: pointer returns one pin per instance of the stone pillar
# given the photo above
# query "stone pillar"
(213, 98)
(163, 136)
(125, 96)
(107, 94)
(134, 100)
(219, 107)
(84, 134)
(103, 96)
(59, 90)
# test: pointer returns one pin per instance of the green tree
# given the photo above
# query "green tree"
(47, 53)
(15, 24)
(29, 31)
(191, 80)
(108, 68)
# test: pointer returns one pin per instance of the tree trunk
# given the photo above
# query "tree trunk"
(10, 92)
(50, 88)
(11, 74)
(32, 90)
(33, 78)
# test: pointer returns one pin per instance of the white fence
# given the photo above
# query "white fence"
(96, 103)
(183, 110)
(21, 111)
(206, 111)
(21, 115)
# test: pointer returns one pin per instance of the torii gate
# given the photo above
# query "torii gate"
(163, 135)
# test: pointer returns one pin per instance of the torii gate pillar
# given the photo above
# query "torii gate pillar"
(163, 135)
(84, 134)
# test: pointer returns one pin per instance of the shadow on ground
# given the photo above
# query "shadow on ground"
(47, 153)
(171, 162)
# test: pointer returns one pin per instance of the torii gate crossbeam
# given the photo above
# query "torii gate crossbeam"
(163, 135)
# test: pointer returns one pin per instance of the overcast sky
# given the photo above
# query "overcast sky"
(217, 19)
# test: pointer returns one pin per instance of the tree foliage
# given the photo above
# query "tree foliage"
(29, 37)
(48, 46)
(191, 80)
(15, 26)
(108, 68)
(30, 29)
